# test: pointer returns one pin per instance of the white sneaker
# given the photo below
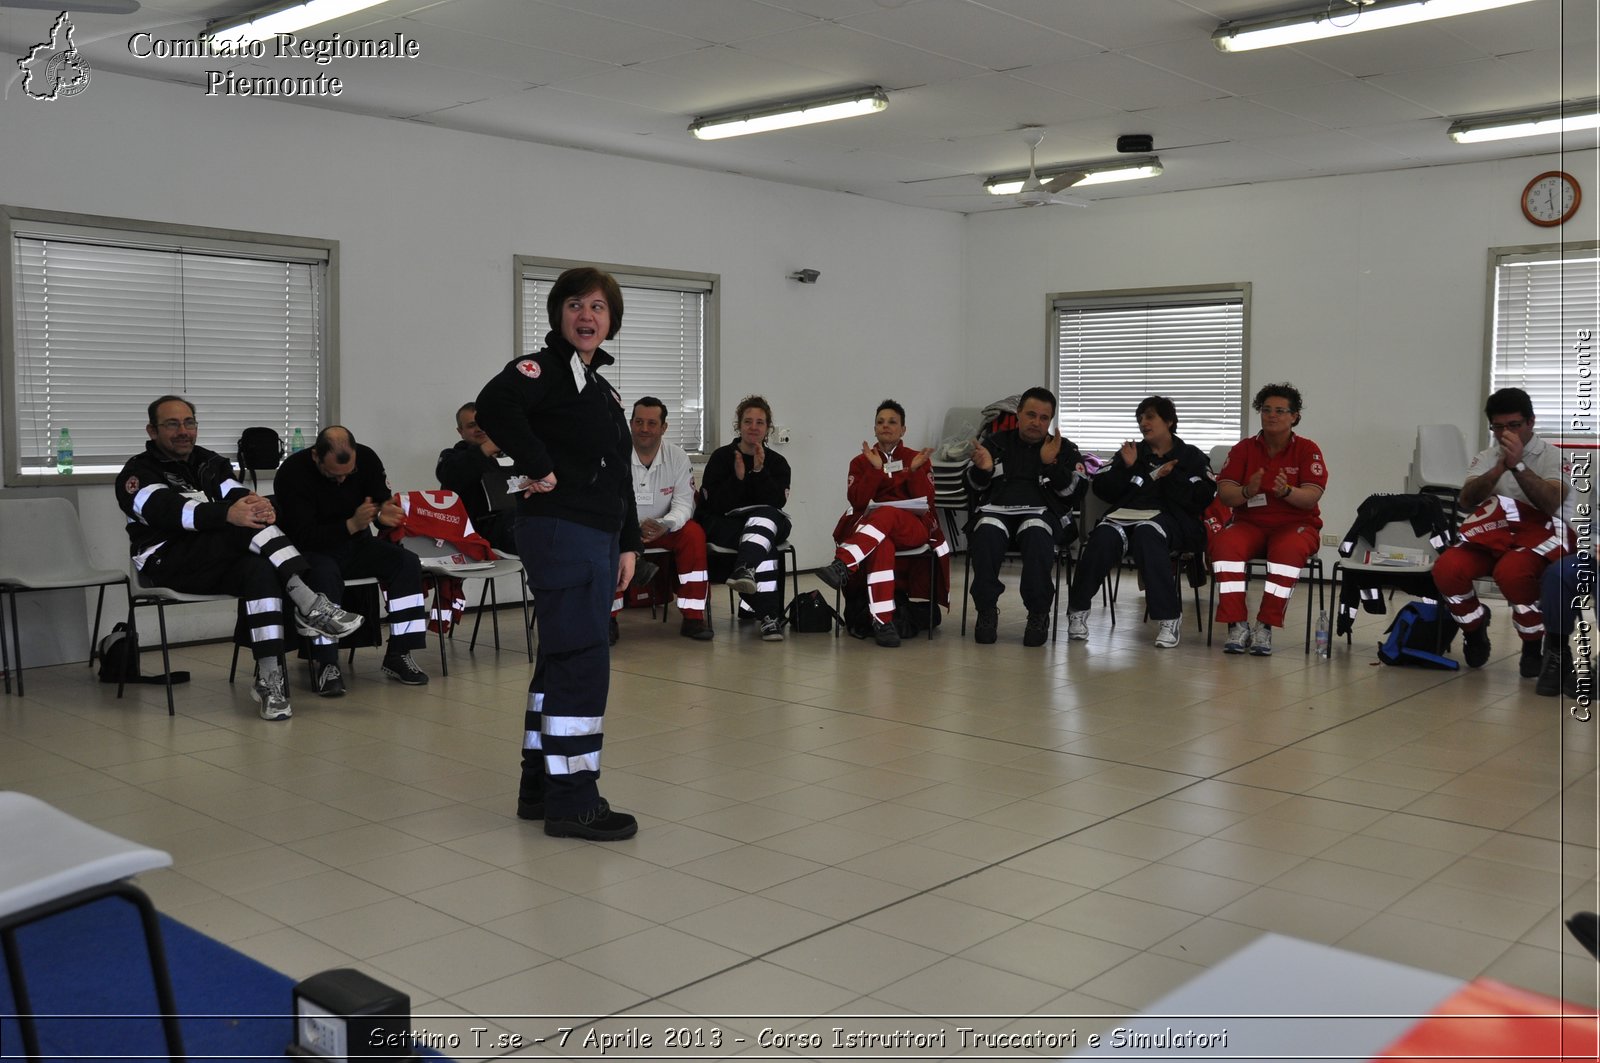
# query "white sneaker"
(1078, 626)
(1167, 637)
(272, 697)
(771, 629)
(1238, 638)
(1261, 641)
(327, 619)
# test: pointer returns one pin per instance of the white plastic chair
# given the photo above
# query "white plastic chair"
(434, 554)
(1439, 463)
(43, 549)
(54, 863)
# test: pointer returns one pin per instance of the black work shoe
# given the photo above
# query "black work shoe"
(696, 628)
(885, 634)
(1553, 668)
(644, 573)
(987, 629)
(835, 575)
(1475, 646)
(599, 824)
(530, 808)
(400, 666)
(613, 633)
(1038, 628)
(327, 680)
(1532, 661)
(742, 580)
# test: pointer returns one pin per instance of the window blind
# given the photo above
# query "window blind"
(101, 329)
(1541, 302)
(660, 349)
(1113, 351)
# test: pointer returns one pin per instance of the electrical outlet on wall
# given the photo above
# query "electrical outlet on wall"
(780, 434)
(1329, 540)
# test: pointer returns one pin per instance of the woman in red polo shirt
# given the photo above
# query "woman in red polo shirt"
(1273, 481)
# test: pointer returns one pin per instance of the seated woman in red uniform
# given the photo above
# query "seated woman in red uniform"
(891, 505)
(1273, 481)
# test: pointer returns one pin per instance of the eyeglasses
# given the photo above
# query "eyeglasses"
(1276, 411)
(172, 426)
(1506, 426)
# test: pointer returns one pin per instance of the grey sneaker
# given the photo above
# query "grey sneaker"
(1167, 637)
(771, 629)
(1078, 626)
(327, 680)
(325, 618)
(742, 580)
(1261, 641)
(1238, 638)
(271, 697)
(836, 575)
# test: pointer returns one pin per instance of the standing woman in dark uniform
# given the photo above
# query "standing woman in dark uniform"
(567, 434)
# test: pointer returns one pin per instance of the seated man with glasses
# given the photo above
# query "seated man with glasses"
(1519, 477)
(196, 529)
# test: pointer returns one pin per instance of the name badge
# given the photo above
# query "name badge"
(1256, 500)
(892, 467)
(643, 497)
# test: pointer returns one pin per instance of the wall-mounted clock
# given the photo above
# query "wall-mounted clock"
(1551, 198)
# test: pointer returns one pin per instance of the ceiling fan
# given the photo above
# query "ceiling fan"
(1037, 193)
(103, 7)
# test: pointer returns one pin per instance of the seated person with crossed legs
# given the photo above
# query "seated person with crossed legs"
(887, 480)
(1023, 481)
(741, 507)
(195, 529)
(329, 497)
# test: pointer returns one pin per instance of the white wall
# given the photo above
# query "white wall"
(428, 221)
(1368, 292)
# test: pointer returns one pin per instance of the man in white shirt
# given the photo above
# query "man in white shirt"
(663, 489)
(1521, 466)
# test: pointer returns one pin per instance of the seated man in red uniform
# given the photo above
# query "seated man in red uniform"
(1274, 482)
(663, 490)
(1523, 467)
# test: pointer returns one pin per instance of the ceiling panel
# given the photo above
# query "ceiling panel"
(624, 77)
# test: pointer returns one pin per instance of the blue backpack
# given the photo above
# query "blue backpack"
(1415, 637)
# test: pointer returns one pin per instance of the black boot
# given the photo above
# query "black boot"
(1555, 668)
(530, 792)
(1532, 660)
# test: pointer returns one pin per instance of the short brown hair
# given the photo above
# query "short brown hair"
(578, 281)
(750, 402)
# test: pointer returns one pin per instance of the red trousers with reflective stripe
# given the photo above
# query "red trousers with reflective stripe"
(688, 546)
(1286, 550)
(871, 546)
(1515, 572)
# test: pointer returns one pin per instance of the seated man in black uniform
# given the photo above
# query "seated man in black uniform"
(473, 470)
(195, 528)
(329, 496)
(1023, 481)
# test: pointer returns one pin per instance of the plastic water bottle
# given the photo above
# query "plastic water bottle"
(1322, 633)
(64, 454)
(298, 443)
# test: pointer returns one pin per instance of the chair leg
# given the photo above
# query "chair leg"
(444, 665)
(166, 664)
(19, 995)
(966, 585)
(94, 638)
(16, 641)
(5, 647)
(477, 622)
(156, 950)
(933, 588)
(527, 618)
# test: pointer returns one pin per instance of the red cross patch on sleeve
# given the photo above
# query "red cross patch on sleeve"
(529, 368)
(131, 485)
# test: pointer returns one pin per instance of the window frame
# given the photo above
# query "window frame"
(1552, 424)
(24, 221)
(1225, 291)
(639, 276)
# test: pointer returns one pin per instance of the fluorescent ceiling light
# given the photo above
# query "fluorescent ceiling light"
(790, 114)
(1565, 119)
(1337, 18)
(1095, 173)
(267, 22)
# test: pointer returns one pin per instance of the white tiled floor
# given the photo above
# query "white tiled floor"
(944, 829)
